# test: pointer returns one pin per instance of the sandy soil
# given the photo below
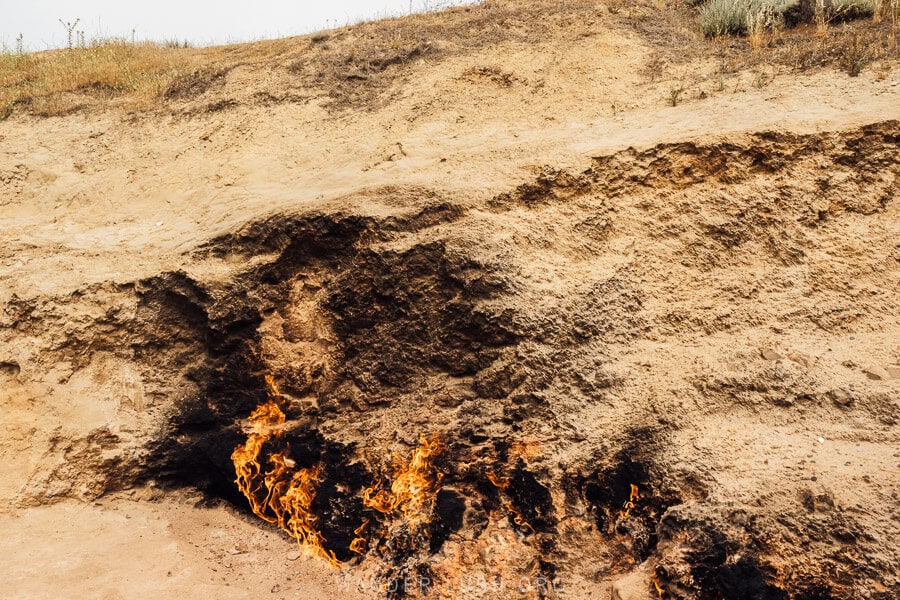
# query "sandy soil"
(167, 548)
(708, 291)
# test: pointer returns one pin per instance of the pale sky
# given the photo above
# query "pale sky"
(201, 22)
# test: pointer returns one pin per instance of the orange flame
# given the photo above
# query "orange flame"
(518, 518)
(279, 495)
(414, 488)
(625, 513)
(501, 484)
(497, 482)
(358, 545)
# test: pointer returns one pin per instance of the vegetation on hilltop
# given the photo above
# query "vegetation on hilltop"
(354, 65)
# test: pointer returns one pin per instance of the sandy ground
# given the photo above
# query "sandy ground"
(168, 548)
(95, 198)
(91, 203)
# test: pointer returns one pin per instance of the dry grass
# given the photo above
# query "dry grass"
(722, 17)
(60, 81)
(852, 41)
(865, 7)
(352, 66)
(356, 65)
(849, 46)
(361, 67)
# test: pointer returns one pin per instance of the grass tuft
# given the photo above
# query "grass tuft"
(49, 82)
(723, 17)
(865, 7)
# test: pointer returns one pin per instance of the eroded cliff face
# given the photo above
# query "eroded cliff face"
(673, 373)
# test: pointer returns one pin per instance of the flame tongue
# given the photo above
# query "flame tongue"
(625, 513)
(358, 545)
(502, 485)
(264, 420)
(415, 485)
(279, 495)
(659, 591)
(296, 515)
(284, 495)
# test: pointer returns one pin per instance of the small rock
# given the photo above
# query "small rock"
(821, 440)
(841, 397)
(448, 399)
(893, 371)
(801, 359)
(769, 354)
(875, 373)
(159, 223)
(239, 549)
(276, 588)
(294, 555)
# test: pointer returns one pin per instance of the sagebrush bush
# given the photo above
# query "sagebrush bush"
(721, 17)
(866, 7)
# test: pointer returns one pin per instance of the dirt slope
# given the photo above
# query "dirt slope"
(521, 249)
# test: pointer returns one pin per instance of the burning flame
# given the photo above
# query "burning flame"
(502, 484)
(280, 495)
(659, 591)
(518, 519)
(498, 482)
(358, 545)
(415, 485)
(625, 513)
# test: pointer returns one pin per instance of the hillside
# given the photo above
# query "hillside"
(542, 300)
